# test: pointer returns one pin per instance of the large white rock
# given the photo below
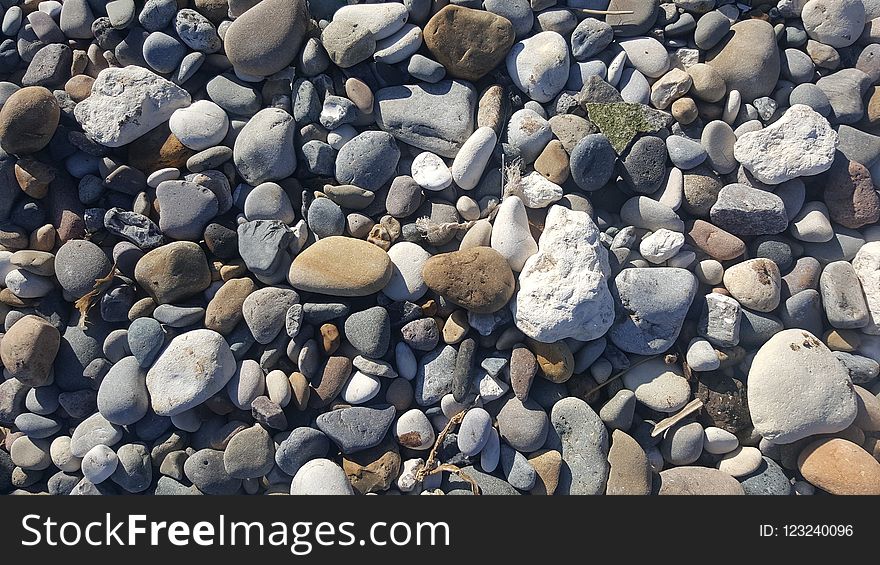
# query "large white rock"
(801, 143)
(564, 286)
(511, 235)
(798, 388)
(126, 103)
(195, 366)
(867, 267)
(538, 191)
(539, 65)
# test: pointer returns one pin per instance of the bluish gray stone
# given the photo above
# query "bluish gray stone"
(769, 479)
(326, 218)
(122, 396)
(517, 469)
(145, 340)
(368, 161)
(369, 331)
(579, 434)
(434, 376)
(302, 445)
(357, 428)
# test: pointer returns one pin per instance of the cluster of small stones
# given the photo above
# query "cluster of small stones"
(560, 246)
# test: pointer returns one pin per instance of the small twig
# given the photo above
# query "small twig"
(619, 374)
(667, 423)
(84, 304)
(431, 466)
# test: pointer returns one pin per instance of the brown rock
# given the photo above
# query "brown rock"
(28, 120)
(374, 469)
(37, 262)
(724, 402)
(547, 464)
(840, 467)
(65, 210)
(555, 360)
(42, 238)
(358, 92)
(747, 58)
(872, 109)
(684, 110)
(850, 195)
(523, 367)
(701, 188)
(469, 43)
(697, 481)
(336, 371)
(224, 310)
(842, 340)
(491, 111)
(300, 387)
(716, 242)
(341, 266)
(552, 163)
(868, 416)
(158, 149)
(28, 350)
(329, 338)
(79, 87)
(34, 177)
(173, 272)
(630, 471)
(478, 278)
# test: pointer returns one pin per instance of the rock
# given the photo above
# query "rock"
(320, 477)
(747, 59)
(478, 278)
(122, 396)
(743, 210)
(341, 266)
(207, 472)
(406, 283)
(302, 445)
(741, 461)
(755, 283)
(469, 43)
(718, 441)
(225, 309)
(582, 439)
(647, 55)
(630, 472)
(590, 37)
(433, 117)
(797, 388)
(642, 168)
(28, 120)
(654, 302)
(195, 366)
(126, 103)
(867, 267)
(413, 430)
(264, 311)
(840, 467)
(434, 375)
(357, 428)
(837, 23)
(767, 479)
(523, 425)
(850, 195)
(682, 443)
(94, 430)
(697, 481)
(800, 143)
(845, 90)
(657, 385)
(186, 208)
(642, 16)
(547, 464)
(369, 331)
(281, 27)
(720, 320)
(373, 470)
(539, 65)
(173, 272)
(621, 122)
(369, 160)
(474, 432)
(270, 128)
(28, 350)
(199, 126)
(249, 454)
(511, 236)
(546, 308)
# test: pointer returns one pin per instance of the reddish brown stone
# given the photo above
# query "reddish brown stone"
(850, 195)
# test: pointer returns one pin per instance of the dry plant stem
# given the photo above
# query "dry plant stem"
(667, 423)
(619, 374)
(84, 304)
(431, 467)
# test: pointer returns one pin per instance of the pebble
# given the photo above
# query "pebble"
(468, 43)
(358, 268)
(523, 425)
(756, 284)
(837, 23)
(122, 396)
(743, 210)
(539, 65)
(582, 439)
(741, 461)
(99, 463)
(691, 480)
(718, 441)
(657, 385)
(28, 350)
(682, 444)
(269, 128)
(478, 279)
(818, 398)
(749, 61)
(839, 467)
(357, 428)
(767, 479)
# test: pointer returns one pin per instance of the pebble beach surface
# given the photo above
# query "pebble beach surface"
(558, 247)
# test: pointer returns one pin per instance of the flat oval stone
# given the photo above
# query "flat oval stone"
(280, 26)
(468, 42)
(478, 278)
(341, 266)
(697, 481)
(840, 467)
(748, 59)
(657, 385)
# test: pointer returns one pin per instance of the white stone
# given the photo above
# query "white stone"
(798, 388)
(430, 172)
(511, 235)
(537, 191)
(199, 126)
(539, 65)
(661, 245)
(341, 135)
(564, 287)
(406, 281)
(673, 191)
(413, 430)
(126, 103)
(407, 366)
(812, 223)
(867, 267)
(320, 477)
(99, 463)
(670, 87)
(194, 367)
(490, 388)
(741, 461)
(399, 46)
(491, 452)
(61, 456)
(278, 388)
(658, 386)
(25, 284)
(837, 23)
(801, 143)
(383, 20)
(701, 356)
(406, 481)
(732, 105)
(718, 442)
(471, 160)
(647, 55)
(360, 388)
(528, 132)
(6, 266)
(246, 384)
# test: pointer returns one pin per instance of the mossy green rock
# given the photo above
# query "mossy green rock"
(621, 122)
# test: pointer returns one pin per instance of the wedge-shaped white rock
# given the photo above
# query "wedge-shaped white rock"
(126, 103)
(801, 143)
(564, 287)
(511, 235)
(867, 267)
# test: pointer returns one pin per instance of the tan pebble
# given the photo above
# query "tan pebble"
(547, 464)
(430, 308)
(42, 238)
(456, 327)
(840, 467)
(34, 177)
(374, 469)
(358, 92)
(79, 63)
(329, 338)
(842, 340)
(79, 87)
(684, 110)
(37, 262)
(300, 387)
(555, 360)
(552, 163)
(630, 472)
(141, 309)
(224, 310)
(868, 416)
